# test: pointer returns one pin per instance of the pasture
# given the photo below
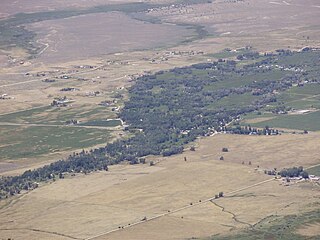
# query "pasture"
(44, 130)
(308, 122)
(174, 190)
(305, 98)
(42, 134)
(33, 141)
(59, 115)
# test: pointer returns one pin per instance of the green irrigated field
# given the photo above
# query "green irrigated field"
(28, 142)
(308, 90)
(306, 97)
(45, 130)
(234, 80)
(24, 116)
(59, 116)
(296, 99)
(308, 122)
(234, 101)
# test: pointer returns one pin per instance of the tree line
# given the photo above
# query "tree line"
(169, 109)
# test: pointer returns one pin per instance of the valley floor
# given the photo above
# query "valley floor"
(175, 199)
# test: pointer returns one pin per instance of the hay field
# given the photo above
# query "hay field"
(83, 207)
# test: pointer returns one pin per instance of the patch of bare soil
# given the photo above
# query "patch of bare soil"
(310, 230)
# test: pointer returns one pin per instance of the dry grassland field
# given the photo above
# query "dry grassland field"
(10, 8)
(87, 54)
(82, 207)
(99, 34)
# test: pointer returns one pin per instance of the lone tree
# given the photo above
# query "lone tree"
(221, 158)
(220, 194)
(305, 175)
(192, 148)
(225, 149)
(142, 160)
(106, 168)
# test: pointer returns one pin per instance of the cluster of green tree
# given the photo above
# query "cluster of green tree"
(248, 130)
(169, 109)
(270, 172)
(280, 109)
(83, 162)
(294, 172)
(220, 195)
(249, 55)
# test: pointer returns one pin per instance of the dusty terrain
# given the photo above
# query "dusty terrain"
(310, 230)
(96, 205)
(100, 34)
(18, 6)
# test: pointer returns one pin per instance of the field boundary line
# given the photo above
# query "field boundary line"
(178, 210)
